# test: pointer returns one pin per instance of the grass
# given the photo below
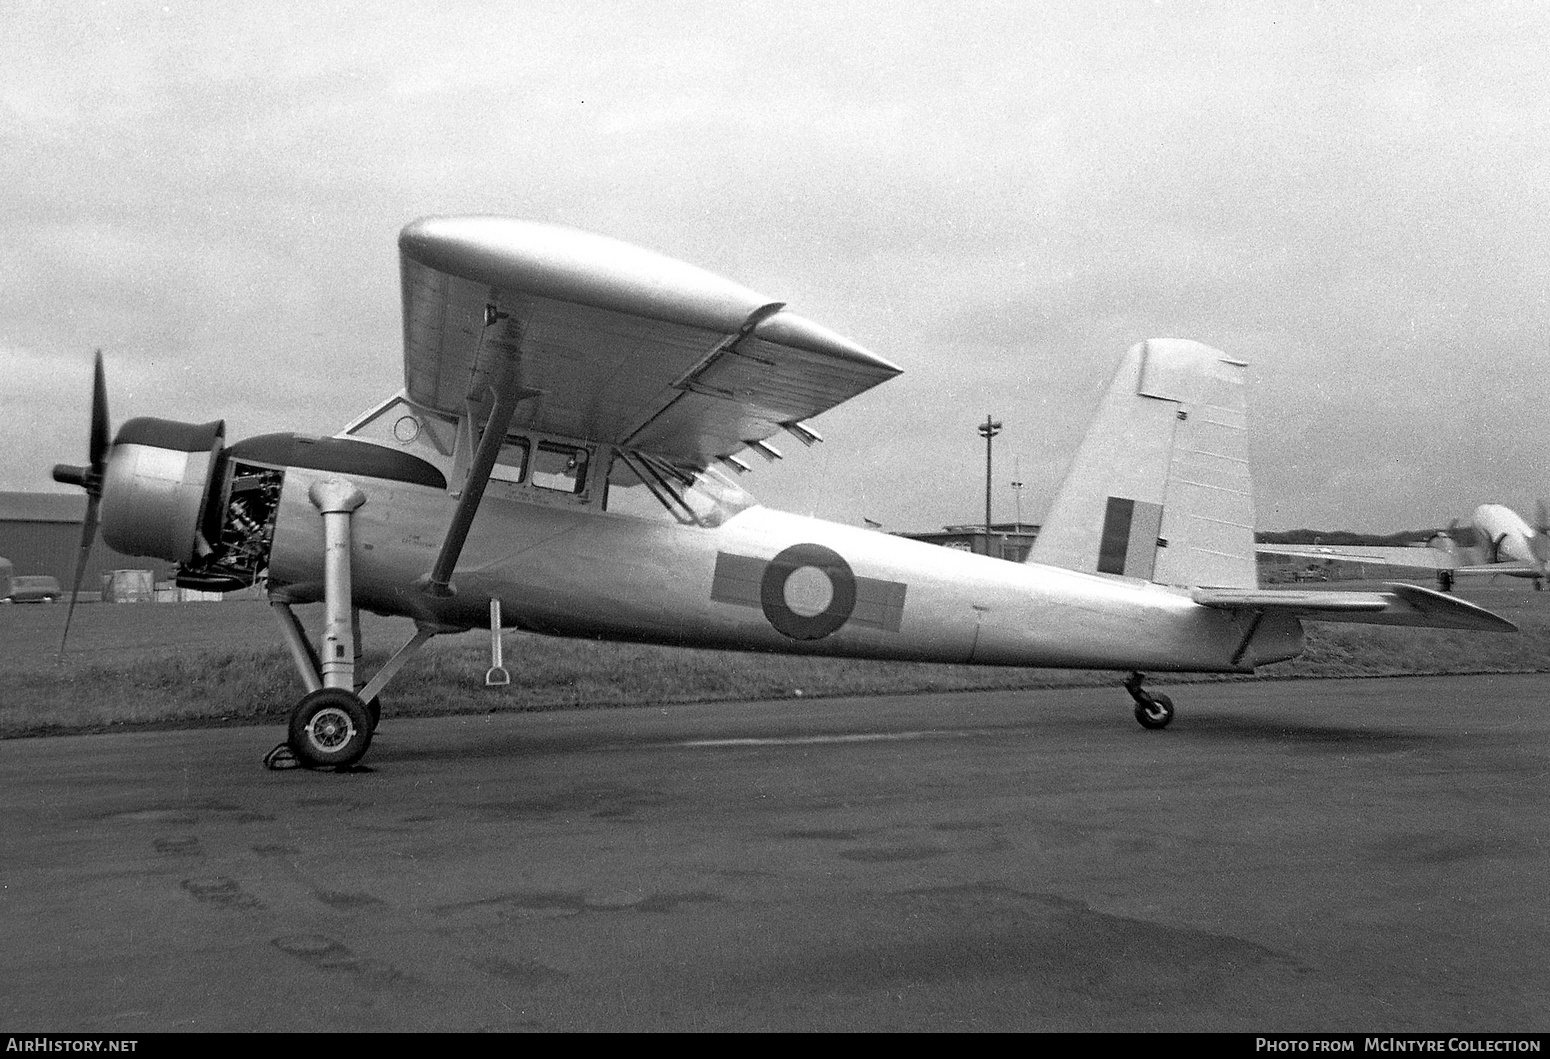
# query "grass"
(258, 685)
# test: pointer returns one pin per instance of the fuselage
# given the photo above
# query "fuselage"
(760, 580)
(588, 539)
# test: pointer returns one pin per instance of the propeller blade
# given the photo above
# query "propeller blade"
(89, 478)
(1541, 517)
(88, 535)
(101, 432)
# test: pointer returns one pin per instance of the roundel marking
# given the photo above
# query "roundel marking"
(842, 591)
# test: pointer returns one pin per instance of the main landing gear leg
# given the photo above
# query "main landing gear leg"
(1153, 710)
(331, 726)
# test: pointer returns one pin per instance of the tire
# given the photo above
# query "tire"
(330, 728)
(1155, 712)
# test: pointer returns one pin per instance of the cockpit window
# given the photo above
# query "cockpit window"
(650, 487)
(511, 464)
(562, 468)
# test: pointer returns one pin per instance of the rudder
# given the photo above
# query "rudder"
(1160, 488)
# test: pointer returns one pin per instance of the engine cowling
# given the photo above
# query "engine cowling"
(157, 485)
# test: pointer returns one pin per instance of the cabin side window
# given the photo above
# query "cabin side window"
(511, 464)
(562, 468)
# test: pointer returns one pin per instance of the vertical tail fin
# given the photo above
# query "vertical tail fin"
(1160, 488)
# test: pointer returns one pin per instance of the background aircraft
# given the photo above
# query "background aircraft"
(1496, 541)
(552, 464)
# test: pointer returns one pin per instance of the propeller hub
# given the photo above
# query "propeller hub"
(70, 474)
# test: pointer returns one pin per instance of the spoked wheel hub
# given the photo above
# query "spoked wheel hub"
(330, 728)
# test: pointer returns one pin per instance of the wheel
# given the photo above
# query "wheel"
(330, 728)
(1154, 711)
(374, 708)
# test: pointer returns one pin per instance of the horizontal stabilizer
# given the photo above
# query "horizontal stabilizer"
(1398, 605)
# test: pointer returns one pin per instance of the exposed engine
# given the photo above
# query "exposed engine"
(239, 530)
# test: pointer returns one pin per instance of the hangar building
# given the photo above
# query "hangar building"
(40, 533)
(1007, 540)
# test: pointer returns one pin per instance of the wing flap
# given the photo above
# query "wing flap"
(1399, 604)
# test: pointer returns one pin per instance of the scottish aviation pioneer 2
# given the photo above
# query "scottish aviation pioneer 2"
(563, 456)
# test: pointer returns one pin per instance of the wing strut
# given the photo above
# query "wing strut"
(726, 347)
(508, 394)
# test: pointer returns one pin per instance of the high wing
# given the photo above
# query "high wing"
(1398, 605)
(1376, 555)
(605, 341)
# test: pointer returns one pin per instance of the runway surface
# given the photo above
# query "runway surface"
(1345, 856)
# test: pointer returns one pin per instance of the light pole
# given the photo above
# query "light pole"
(988, 429)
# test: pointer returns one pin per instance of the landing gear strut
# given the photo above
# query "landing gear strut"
(331, 726)
(1153, 710)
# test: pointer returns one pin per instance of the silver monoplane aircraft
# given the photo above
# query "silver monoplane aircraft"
(557, 461)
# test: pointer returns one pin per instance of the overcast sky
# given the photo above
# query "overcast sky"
(999, 197)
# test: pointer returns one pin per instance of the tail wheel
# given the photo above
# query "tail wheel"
(1154, 711)
(330, 728)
